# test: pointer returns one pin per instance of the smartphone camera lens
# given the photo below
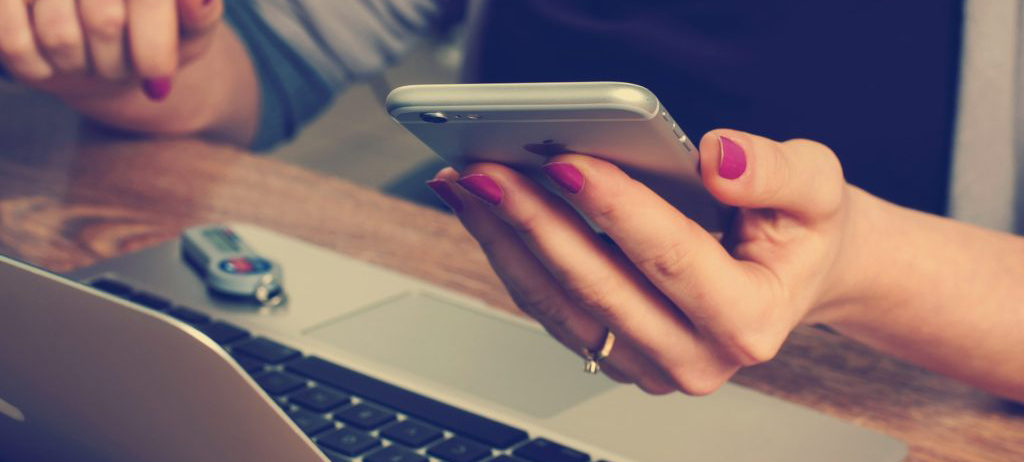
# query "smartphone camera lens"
(434, 117)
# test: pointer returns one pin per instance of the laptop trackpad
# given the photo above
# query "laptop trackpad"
(486, 356)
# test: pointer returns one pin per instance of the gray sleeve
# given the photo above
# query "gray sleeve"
(345, 40)
(306, 51)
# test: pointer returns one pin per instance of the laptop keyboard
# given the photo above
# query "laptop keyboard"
(354, 417)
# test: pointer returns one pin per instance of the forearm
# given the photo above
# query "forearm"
(215, 96)
(943, 294)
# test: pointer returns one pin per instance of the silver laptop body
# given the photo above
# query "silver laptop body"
(87, 376)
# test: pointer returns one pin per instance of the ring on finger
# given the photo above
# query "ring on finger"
(592, 358)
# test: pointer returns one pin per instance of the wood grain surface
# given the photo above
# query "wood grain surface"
(71, 197)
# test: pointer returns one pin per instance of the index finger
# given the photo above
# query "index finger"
(676, 254)
(18, 50)
(153, 37)
(599, 279)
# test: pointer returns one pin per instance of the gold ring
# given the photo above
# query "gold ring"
(591, 363)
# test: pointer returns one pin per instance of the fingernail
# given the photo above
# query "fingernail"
(444, 191)
(565, 175)
(157, 89)
(733, 161)
(484, 187)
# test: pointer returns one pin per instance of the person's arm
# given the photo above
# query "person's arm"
(217, 96)
(944, 294)
(175, 68)
(806, 248)
(157, 67)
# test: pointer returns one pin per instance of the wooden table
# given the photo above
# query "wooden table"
(71, 196)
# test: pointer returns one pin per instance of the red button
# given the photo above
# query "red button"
(240, 265)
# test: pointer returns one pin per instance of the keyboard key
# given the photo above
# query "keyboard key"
(248, 364)
(112, 287)
(412, 433)
(365, 416)
(309, 422)
(542, 450)
(474, 426)
(333, 456)
(278, 383)
(504, 458)
(348, 441)
(223, 333)
(148, 300)
(189, 315)
(459, 449)
(320, 399)
(265, 350)
(394, 454)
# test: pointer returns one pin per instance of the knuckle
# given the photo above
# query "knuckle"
(200, 14)
(804, 144)
(489, 242)
(606, 209)
(695, 384)
(60, 39)
(18, 53)
(655, 387)
(613, 369)
(16, 47)
(671, 262)
(829, 161)
(768, 188)
(546, 308)
(617, 377)
(597, 295)
(526, 223)
(107, 22)
(111, 71)
(826, 168)
(604, 212)
(750, 350)
(35, 73)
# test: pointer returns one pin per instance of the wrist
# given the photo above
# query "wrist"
(856, 282)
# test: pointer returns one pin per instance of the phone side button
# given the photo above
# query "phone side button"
(685, 141)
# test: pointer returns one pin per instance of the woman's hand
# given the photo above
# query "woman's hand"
(82, 48)
(687, 310)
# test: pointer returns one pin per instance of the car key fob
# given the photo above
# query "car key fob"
(230, 267)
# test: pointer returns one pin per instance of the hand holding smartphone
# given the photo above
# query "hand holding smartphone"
(522, 125)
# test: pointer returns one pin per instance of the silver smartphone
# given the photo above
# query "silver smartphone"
(522, 125)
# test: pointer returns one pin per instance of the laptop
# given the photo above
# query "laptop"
(134, 360)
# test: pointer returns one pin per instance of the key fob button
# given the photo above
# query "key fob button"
(244, 265)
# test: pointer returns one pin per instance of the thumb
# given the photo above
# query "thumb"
(799, 177)
(199, 17)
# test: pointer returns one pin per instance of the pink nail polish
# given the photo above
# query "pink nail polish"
(484, 187)
(565, 175)
(733, 161)
(444, 191)
(157, 89)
